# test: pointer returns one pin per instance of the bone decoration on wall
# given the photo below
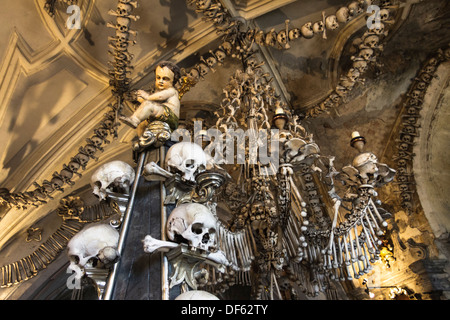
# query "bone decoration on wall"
(74, 215)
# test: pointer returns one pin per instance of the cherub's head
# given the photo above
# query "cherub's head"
(167, 74)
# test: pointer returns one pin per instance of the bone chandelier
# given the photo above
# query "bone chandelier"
(297, 224)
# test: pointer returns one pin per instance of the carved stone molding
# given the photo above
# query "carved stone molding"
(431, 161)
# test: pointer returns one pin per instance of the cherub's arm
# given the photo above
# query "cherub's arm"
(162, 95)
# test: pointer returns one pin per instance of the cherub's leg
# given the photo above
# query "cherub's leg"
(147, 109)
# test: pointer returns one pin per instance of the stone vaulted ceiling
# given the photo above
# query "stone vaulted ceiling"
(54, 82)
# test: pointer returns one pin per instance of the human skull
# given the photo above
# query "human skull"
(307, 30)
(366, 164)
(372, 41)
(282, 38)
(360, 64)
(342, 15)
(193, 223)
(416, 94)
(406, 196)
(271, 37)
(193, 73)
(196, 295)
(187, 159)
(203, 4)
(353, 74)
(430, 69)
(421, 85)
(122, 36)
(121, 46)
(211, 61)
(123, 24)
(74, 166)
(377, 28)
(433, 62)
(294, 34)
(228, 47)
(220, 55)
(366, 54)
(413, 102)
(411, 110)
(94, 244)
(57, 183)
(124, 9)
(259, 37)
(384, 14)
(331, 22)
(425, 77)
(203, 69)
(82, 159)
(318, 27)
(114, 176)
(354, 9)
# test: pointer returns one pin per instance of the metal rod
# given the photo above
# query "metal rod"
(165, 290)
(124, 229)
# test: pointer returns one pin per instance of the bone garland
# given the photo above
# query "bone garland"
(74, 217)
(198, 72)
(239, 44)
(369, 46)
(120, 67)
(43, 192)
(408, 129)
(29, 266)
(215, 12)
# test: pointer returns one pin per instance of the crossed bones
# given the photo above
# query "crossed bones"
(152, 245)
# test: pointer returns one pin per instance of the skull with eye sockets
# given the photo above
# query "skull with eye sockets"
(194, 224)
(114, 176)
(186, 159)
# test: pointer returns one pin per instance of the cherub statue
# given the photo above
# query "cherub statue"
(162, 105)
